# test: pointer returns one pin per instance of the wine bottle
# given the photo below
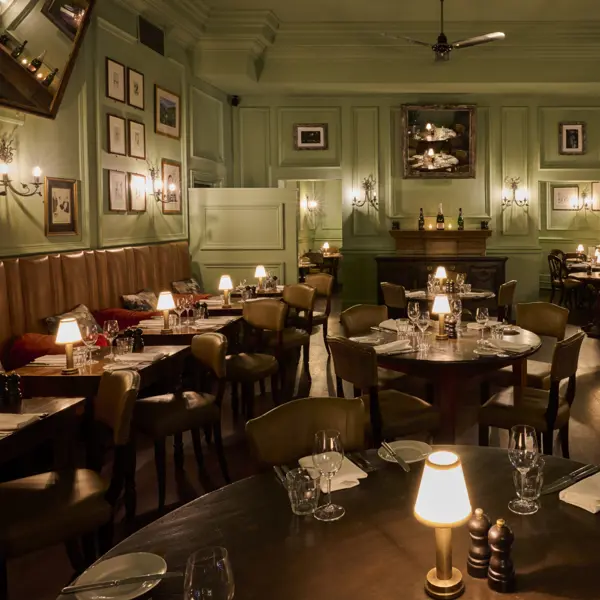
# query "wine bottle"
(439, 223)
(19, 50)
(4, 39)
(461, 221)
(421, 221)
(49, 78)
(36, 63)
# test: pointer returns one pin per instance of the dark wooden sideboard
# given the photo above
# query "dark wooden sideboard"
(483, 272)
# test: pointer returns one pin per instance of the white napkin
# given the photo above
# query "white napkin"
(10, 422)
(584, 494)
(389, 324)
(391, 347)
(50, 360)
(474, 326)
(346, 477)
(510, 346)
(140, 357)
(415, 294)
(151, 323)
(473, 295)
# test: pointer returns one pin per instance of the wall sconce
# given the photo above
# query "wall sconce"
(7, 152)
(512, 194)
(585, 202)
(370, 199)
(156, 187)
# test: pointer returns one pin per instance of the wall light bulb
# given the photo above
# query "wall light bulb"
(3, 169)
(158, 185)
(172, 187)
(37, 171)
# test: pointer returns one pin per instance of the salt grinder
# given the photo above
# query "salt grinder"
(479, 551)
(501, 572)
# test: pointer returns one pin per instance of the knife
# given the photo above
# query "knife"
(568, 480)
(100, 585)
(396, 457)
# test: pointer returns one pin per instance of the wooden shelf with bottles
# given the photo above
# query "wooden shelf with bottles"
(445, 242)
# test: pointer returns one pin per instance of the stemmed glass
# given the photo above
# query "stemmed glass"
(460, 282)
(328, 455)
(111, 331)
(423, 325)
(413, 311)
(523, 452)
(208, 574)
(456, 307)
(179, 308)
(89, 334)
(482, 317)
(189, 305)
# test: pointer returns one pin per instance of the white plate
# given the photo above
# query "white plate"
(411, 451)
(119, 567)
(487, 352)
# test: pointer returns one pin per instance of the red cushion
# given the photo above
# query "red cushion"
(126, 318)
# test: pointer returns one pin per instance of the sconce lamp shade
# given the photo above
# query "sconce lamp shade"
(580, 248)
(443, 499)
(225, 283)
(440, 273)
(441, 305)
(165, 301)
(260, 272)
(68, 332)
(36, 172)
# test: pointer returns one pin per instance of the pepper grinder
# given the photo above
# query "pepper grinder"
(501, 572)
(479, 552)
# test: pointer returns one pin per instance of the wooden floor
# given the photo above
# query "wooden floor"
(39, 576)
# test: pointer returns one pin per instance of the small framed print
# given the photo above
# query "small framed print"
(116, 135)
(61, 206)
(171, 176)
(115, 80)
(310, 136)
(135, 89)
(572, 138)
(117, 191)
(167, 117)
(137, 139)
(137, 192)
(565, 197)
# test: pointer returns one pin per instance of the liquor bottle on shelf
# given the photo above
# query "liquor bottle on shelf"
(36, 63)
(421, 221)
(4, 39)
(18, 50)
(439, 223)
(461, 221)
(49, 78)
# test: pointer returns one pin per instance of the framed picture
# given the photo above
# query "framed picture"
(135, 88)
(311, 136)
(572, 138)
(117, 191)
(61, 206)
(137, 139)
(171, 176)
(67, 15)
(595, 199)
(137, 192)
(116, 135)
(115, 80)
(167, 117)
(438, 141)
(565, 197)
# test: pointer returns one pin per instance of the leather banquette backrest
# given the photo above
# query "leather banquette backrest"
(33, 288)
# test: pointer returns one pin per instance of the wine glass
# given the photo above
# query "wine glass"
(423, 324)
(111, 331)
(460, 282)
(413, 312)
(89, 335)
(328, 455)
(456, 307)
(189, 305)
(523, 452)
(208, 574)
(482, 316)
(179, 308)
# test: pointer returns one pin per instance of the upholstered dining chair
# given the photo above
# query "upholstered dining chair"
(358, 319)
(545, 410)
(506, 299)
(286, 433)
(73, 506)
(323, 283)
(560, 280)
(159, 417)
(394, 297)
(390, 413)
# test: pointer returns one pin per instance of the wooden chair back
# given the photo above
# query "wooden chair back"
(543, 318)
(358, 319)
(394, 296)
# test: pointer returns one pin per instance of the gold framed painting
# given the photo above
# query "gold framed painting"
(61, 206)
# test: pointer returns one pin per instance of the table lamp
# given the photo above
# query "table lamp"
(441, 307)
(325, 248)
(260, 274)
(580, 249)
(443, 503)
(68, 333)
(165, 303)
(225, 285)
(440, 273)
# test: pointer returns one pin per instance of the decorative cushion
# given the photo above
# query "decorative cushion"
(126, 318)
(143, 300)
(81, 313)
(186, 286)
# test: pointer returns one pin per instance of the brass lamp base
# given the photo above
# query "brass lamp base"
(72, 371)
(441, 336)
(166, 331)
(445, 589)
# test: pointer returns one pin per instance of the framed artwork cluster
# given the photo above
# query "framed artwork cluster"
(126, 192)
(126, 137)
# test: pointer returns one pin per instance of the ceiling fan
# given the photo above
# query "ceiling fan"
(443, 49)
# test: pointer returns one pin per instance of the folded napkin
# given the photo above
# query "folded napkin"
(389, 324)
(346, 477)
(140, 357)
(584, 494)
(475, 326)
(510, 346)
(10, 422)
(151, 323)
(415, 294)
(473, 295)
(371, 339)
(392, 347)
(50, 360)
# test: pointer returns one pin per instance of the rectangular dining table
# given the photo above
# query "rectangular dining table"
(182, 336)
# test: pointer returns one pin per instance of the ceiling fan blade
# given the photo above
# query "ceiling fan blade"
(418, 42)
(480, 39)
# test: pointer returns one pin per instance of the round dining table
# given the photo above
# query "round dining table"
(378, 549)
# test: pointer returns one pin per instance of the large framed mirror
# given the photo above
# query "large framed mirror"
(39, 42)
(438, 141)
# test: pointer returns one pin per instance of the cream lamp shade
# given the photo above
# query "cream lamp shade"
(225, 283)
(440, 273)
(443, 499)
(441, 305)
(326, 246)
(165, 301)
(260, 272)
(580, 248)
(68, 332)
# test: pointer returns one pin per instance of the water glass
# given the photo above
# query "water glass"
(208, 574)
(424, 342)
(303, 491)
(467, 287)
(80, 356)
(402, 328)
(529, 488)
(125, 345)
(173, 321)
(523, 453)
(328, 456)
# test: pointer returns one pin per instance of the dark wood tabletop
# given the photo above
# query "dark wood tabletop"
(182, 336)
(378, 549)
(430, 297)
(593, 278)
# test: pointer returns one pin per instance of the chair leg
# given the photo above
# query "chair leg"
(75, 556)
(306, 357)
(197, 442)
(548, 443)
(325, 338)
(484, 392)
(90, 552)
(160, 462)
(235, 400)
(178, 451)
(484, 435)
(263, 391)
(105, 536)
(275, 388)
(564, 441)
(552, 295)
(129, 479)
(248, 400)
(208, 434)
(562, 296)
(221, 451)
